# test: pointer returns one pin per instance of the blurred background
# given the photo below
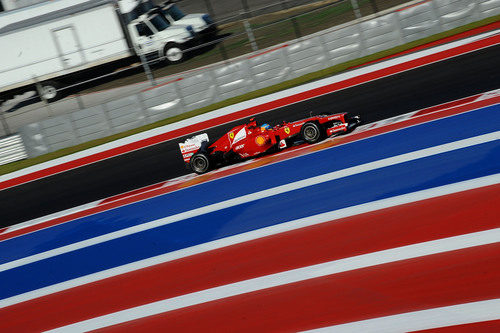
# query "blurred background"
(245, 26)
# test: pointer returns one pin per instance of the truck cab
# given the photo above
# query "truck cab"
(154, 34)
(203, 25)
(154, 37)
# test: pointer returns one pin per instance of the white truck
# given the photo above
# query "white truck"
(53, 44)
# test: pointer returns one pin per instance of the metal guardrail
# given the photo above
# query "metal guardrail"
(12, 149)
(196, 89)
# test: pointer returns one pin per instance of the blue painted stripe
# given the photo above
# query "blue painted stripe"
(383, 146)
(429, 172)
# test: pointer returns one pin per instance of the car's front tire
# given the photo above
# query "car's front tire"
(310, 132)
(199, 163)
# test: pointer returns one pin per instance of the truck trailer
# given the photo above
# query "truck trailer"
(52, 44)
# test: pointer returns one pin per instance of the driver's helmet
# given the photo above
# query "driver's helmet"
(264, 127)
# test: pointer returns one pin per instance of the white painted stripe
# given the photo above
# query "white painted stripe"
(248, 104)
(287, 277)
(256, 196)
(49, 217)
(453, 315)
(256, 234)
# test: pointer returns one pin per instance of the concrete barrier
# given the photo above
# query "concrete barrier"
(198, 90)
(162, 102)
(34, 140)
(125, 114)
(488, 8)
(233, 79)
(455, 13)
(307, 56)
(381, 33)
(91, 123)
(418, 22)
(269, 68)
(344, 44)
(58, 132)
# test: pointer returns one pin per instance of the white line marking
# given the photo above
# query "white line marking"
(256, 234)
(453, 315)
(287, 277)
(256, 196)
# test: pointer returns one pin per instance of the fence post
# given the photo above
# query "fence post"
(248, 30)
(39, 90)
(147, 69)
(355, 8)
(210, 10)
(295, 24)
(5, 125)
(246, 14)
(374, 6)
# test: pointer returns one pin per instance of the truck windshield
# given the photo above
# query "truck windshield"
(175, 12)
(159, 22)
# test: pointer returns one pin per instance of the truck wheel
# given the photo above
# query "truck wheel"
(49, 91)
(310, 132)
(199, 163)
(173, 53)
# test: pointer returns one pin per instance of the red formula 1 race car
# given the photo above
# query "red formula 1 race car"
(251, 140)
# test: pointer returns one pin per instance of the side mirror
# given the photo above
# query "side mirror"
(252, 123)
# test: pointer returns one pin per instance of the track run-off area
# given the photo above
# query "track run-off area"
(389, 228)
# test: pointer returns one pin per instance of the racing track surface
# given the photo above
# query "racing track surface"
(419, 88)
(380, 238)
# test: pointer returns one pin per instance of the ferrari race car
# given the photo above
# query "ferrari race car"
(251, 140)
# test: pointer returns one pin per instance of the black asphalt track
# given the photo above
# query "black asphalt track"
(419, 88)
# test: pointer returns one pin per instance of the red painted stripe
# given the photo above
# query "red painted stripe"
(251, 111)
(433, 281)
(414, 5)
(258, 162)
(489, 326)
(132, 193)
(268, 51)
(163, 84)
(446, 105)
(436, 218)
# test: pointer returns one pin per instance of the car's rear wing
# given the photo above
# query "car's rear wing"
(191, 145)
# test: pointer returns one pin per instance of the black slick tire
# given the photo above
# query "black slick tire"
(199, 163)
(310, 132)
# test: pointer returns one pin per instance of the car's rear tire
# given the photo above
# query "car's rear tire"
(49, 91)
(310, 132)
(199, 163)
